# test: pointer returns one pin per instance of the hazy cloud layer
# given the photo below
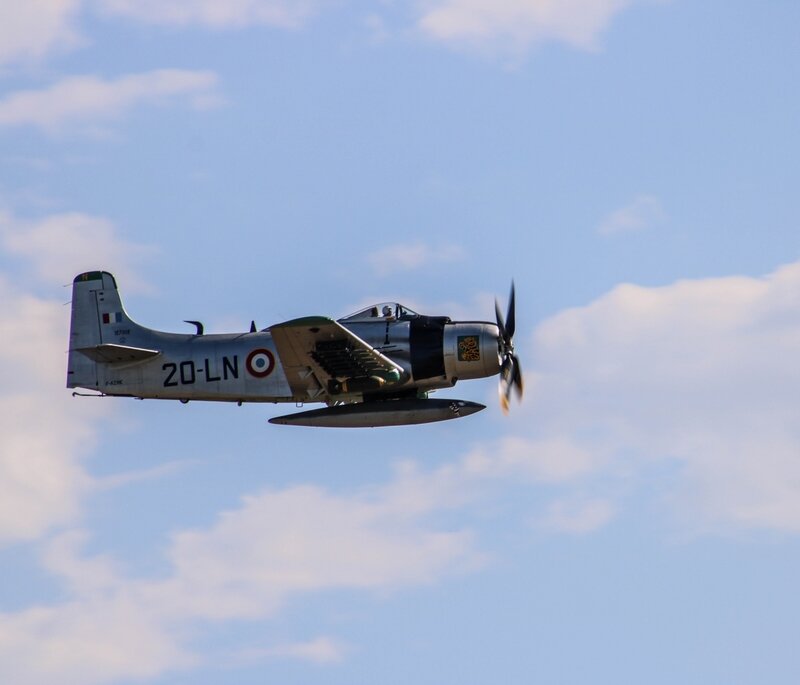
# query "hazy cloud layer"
(212, 13)
(81, 103)
(57, 247)
(34, 29)
(515, 25)
(410, 256)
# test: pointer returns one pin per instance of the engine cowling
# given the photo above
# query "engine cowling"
(471, 350)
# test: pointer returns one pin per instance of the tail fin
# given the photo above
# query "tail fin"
(98, 319)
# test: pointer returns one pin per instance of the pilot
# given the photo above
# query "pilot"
(387, 312)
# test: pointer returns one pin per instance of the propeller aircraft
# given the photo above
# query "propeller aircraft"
(375, 367)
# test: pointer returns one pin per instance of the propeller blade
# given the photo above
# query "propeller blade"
(511, 316)
(499, 317)
(519, 385)
(503, 393)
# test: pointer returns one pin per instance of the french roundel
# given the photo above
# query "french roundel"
(260, 363)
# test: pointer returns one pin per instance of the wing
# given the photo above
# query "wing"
(322, 357)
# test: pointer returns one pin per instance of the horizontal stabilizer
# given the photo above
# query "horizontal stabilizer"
(110, 353)
(381, 413)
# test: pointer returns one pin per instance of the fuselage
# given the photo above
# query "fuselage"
(433, 352)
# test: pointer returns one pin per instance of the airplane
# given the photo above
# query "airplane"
(375, 367)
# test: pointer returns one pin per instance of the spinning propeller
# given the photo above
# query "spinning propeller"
(510, 371)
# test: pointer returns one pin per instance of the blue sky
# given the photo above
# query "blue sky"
(631, 164)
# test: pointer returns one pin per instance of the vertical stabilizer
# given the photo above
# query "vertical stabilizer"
(97, 317)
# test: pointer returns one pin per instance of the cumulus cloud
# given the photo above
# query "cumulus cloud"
(212, 13)
(410, 256)
(700, 374)
(515, 25)
(32, 29)
(78, 103)
(644, 212)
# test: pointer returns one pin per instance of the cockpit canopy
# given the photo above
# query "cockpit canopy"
(384, 310)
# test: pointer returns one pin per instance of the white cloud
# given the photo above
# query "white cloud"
(212, 13)
(701, 374)
(32, 29)
(410, 256)
(82, 102)
(644, 212)
(515, 25)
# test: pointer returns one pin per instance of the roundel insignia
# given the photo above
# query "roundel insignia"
(260, 363)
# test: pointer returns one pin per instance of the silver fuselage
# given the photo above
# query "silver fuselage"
(221, 367)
